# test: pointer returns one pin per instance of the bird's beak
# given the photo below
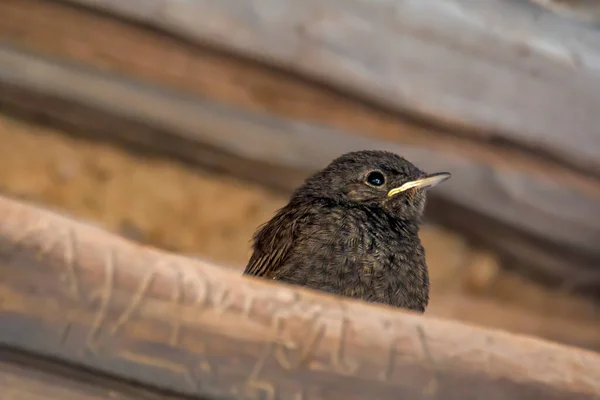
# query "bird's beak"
(428, 181)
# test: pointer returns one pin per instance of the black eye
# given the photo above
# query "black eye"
(375, 178)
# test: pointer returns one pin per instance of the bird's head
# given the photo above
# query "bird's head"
(374, 178)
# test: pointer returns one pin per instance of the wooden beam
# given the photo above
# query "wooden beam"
(281, 152)
(587, 11)
(78, 295)
(26, 376)
(498, 70)
(493, 314)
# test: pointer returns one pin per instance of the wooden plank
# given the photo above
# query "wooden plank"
(25, 376)
(583, 10)
(82, 296)
(45, 165)
(281, 152)
(497, 69)
(106, 43)
(498, 315)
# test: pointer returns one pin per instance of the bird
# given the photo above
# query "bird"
(352, 230)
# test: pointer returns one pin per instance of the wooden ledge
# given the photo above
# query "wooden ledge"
(81, 296)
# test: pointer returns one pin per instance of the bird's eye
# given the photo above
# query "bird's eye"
(375, 178)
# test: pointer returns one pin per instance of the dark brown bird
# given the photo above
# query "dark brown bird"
(352, 230)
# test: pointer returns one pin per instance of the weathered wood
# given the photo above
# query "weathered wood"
(281, 152)
(496, 68)
(78, 294)
(68, 172)
(516, 320)
(582, 10)
(26, 376)
(107, 43)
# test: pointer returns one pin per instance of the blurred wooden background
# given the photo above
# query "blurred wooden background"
(184, 125)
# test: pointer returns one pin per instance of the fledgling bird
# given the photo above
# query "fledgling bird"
(352, 229)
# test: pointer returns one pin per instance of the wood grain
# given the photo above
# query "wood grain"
(166, 204)
(497, 69)
(549, 191)
(76, 294)
(587, 11)
(494, 314)
(281, 152)
(26, 376)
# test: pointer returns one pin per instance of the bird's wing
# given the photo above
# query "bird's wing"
(272, 244)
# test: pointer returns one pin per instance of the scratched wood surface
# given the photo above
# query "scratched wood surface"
(72, 293)
(212, 216)
(276, 128)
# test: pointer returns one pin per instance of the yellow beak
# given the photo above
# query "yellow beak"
(429, 181)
